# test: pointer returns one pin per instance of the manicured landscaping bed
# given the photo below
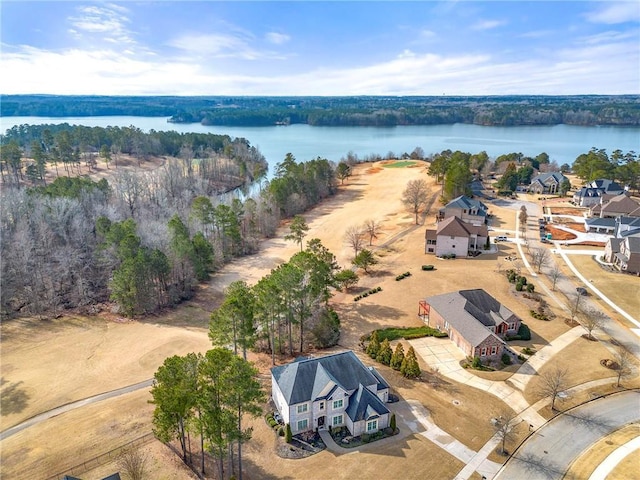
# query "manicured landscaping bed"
(408, 333)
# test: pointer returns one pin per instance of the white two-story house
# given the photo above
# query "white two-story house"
(336, 390)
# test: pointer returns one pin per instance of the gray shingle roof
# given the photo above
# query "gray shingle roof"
(469, 203)
(544, 177)
(470, 312)
(364, 405)
(304, 380)
(601, 222)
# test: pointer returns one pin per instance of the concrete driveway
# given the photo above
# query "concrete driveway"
(442, 355)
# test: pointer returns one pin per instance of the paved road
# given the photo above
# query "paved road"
(72, 406)
(548, 453)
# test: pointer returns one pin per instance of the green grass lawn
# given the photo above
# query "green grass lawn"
(401, 164)
(408, 333)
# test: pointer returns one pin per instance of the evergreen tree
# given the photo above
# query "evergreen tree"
(397, 357)
(365, 259)
(298, 229)
(410, 367)
(384, 353)
(374, 345)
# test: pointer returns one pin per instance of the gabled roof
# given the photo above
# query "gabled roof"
(469, 203)
(620, 203)
(382, 383)
(607, 186)
(470, 312)
(305, 380)
(544, 178)
(586, 192)
(601, 222)
(455, 227)
(633, 244)
(615, 244)
(364, 405)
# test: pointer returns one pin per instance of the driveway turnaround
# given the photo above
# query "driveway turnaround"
(548, 453)
(442, 355)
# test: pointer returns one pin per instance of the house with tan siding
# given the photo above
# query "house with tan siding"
(454, 236)
(336, 390)
(475, 321)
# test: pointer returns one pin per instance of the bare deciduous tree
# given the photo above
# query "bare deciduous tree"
(503, 425)
(552, 383)
(555, 275)
(624, 362)
(576, 305)
(592, 319)
(354, 238)
(415, 196)
(522, 217)
(133, 463)
(372, 228)
(539, 258)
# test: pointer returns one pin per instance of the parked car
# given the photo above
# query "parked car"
(501, 238)
(582, 291)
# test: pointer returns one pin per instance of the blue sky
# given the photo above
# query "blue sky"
(320, 48)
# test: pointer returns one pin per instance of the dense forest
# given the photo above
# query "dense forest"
(342, 111)
(141, 239)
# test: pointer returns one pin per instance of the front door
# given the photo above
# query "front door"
(321, 422)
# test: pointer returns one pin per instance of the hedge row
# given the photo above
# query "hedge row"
(366, 294)
(403, 275)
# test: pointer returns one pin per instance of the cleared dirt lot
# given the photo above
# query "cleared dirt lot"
(47, 364)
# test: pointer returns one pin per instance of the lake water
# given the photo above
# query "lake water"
(563, 143)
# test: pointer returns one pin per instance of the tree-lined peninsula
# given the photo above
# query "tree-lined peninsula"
(618, 110)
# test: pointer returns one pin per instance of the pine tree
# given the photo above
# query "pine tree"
(384, 353)
(397, 357)
(374, 345)
(410, 367)
(392, 422)
(287, 434)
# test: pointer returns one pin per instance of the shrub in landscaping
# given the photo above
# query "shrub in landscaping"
(287, 434)
(392, 422)
(519, 287)
(476, 362)
(528, 351)
(506, 359)
(281, 431)
(522, 279)
(365, 437)
(530, 288)
(524, 333)
(427, 267)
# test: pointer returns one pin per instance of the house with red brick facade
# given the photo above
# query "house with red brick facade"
(475, 321)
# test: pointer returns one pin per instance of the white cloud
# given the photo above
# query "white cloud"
(277, 38)
(215, 44)
(427, 33)
(488, 24)
(107, 22)
(602, 64)
(612, 13)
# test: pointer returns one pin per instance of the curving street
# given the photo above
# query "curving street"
(549, 452)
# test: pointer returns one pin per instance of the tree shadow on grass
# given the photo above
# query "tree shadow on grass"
(13, 398)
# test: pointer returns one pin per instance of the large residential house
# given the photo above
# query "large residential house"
(475, 321)
(550, 182)
(612, 206)
(466, 209)
(624, 254)
(336, 390)
(454, 236)
(592, 193)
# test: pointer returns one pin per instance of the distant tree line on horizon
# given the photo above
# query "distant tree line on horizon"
(343, 111)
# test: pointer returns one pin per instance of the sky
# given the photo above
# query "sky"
(204, 47)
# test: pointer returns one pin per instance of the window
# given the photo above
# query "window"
(483, 352)
(302, 408)
(337, 404)
(337, 420)
(494, 350)
(303, 424)
(321, 405)
(512, 326)
(372, 426)
(430, 250)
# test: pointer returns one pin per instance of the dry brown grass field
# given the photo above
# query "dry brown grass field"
(55, 362)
